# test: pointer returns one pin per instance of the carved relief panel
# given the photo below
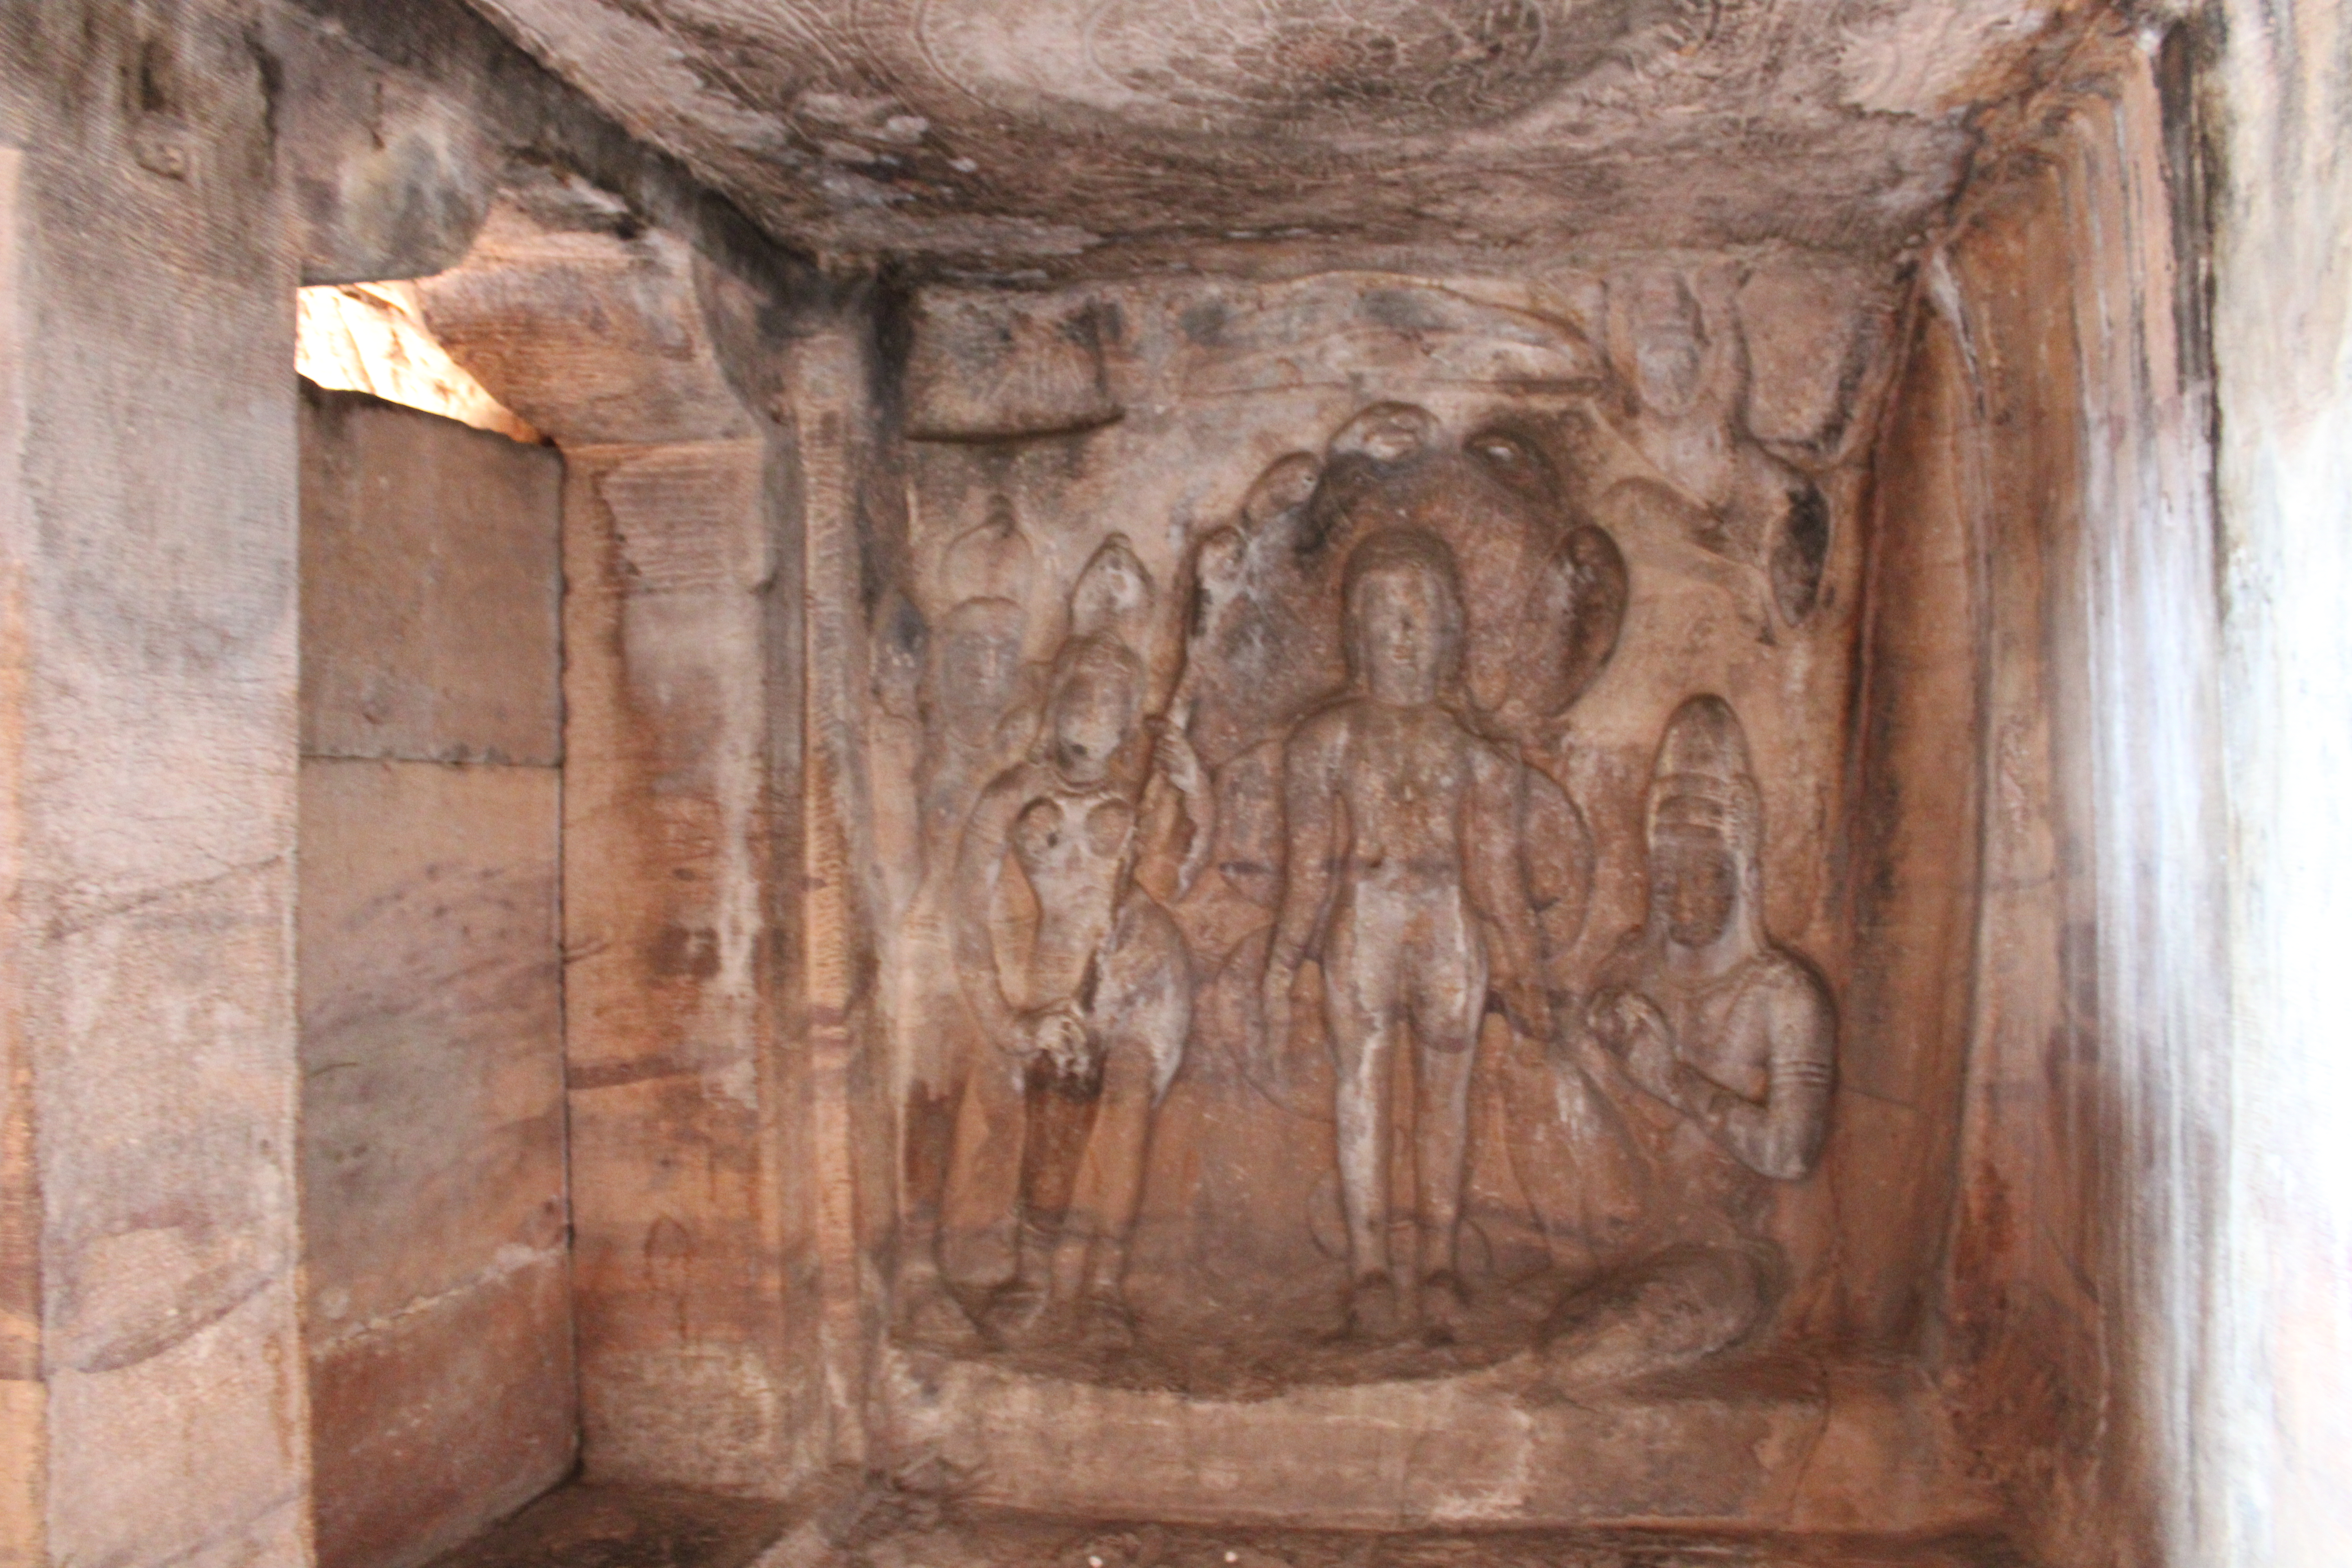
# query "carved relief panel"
(1357, 766)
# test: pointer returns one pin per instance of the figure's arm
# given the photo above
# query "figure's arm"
(1496, 875)
(1309, 799)
(1635, 1045)
(1782, 1137)
(1177, 798)
(1200, 792)
(979, 860)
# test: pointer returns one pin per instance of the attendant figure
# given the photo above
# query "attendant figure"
(1724, 1044)
(1090, 1002)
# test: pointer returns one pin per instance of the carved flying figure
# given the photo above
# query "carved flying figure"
(1715, 488)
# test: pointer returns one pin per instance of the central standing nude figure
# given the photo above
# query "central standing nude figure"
(1404, 877)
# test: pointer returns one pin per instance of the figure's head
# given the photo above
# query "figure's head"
(1113, 591)
(1704, 828)
(1694, 883)
(1669, 343)
(1284, 487)
(1404, 617)
(899, 652)
(991, 560)
(1093, 710)
(978, 664)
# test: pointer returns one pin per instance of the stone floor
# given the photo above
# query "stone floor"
(900, 1526)
(629, 1527)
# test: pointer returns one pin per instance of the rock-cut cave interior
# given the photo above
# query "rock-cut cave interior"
(1208, 783)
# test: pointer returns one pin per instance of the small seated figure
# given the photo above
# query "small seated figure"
(1729, 1039)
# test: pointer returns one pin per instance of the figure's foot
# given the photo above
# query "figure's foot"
(1016, 1312)
(1445, 1305)
(1103, 1324)
(935, 1317)
(1373, 1312)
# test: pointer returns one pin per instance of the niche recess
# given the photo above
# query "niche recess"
(1048, 1022)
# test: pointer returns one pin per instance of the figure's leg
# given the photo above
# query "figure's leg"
(1359, 1018)
(1448, 995)
(980, 1205)
(925, 1308)
(1055, 1129)
(1092, 1254)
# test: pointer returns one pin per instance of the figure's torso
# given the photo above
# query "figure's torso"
(1403, 776)
(1074, 850)
(1722, 1030)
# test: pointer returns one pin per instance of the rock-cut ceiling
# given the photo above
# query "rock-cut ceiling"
(1078, 134)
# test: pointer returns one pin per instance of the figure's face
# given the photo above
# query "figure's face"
(1282, 488)
(898, 661)
(1112, 586)
(898, 672)
(979, 667)
(1668, 356)
(1123, 580)
(1091, 722)
(1403, 627)
(1694, 880)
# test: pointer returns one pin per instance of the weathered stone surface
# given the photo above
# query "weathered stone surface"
(431, 587)
(444, 1417)
(393, 173)
(1405, 764)
(23, 1430)
(631, 1527)
(1923, 671)
(657, 366)
(2054, 435)
(2278, 1486)
(450, 83)
(986, 366)
(1784, 1448)
(148, 563)
(432, 1020)
(438, 1307)
(1025, 134)
(588, 325)
(1817, 333)
(892, 1520)
(689, 1302)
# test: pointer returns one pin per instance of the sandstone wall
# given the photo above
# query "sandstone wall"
(150, 1385)
(2052, 410)
(2281, 1383)
(168, 174)
(692, 1178)
(438, 1318)
(2101, 1090)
